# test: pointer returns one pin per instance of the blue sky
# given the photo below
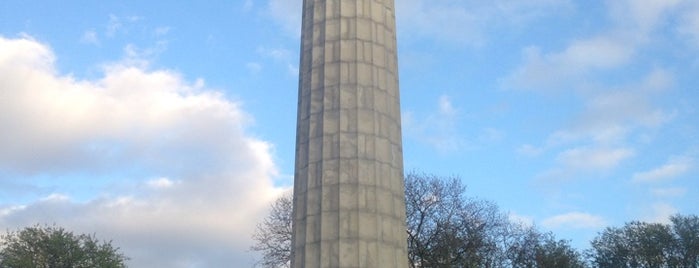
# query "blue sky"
(169, 126)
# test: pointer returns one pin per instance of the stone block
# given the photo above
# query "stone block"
(348, 8)
(348, 204)
(365, 98)
(348, 221)
(349, 253)
(348, 50)
(349, 197)
(367, 226)
(366, 121)
(347, 171)
(366, 145)
(349, 74)
(364, 29)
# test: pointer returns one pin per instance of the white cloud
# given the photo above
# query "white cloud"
(642, 17)
(490, 134)
(669, 192)
(660, 212)
(248, 5)
(160, 183)
(470, 22)
(585, 158)
(279, 54)
(446, 108)
(55, 197)
(562, 70)
(119, 24)
(674, 167)
(574, 220)
(438, 129)
(254, 67)
(689, 26)
(90, 37)
(529, 150)
(162, 31)
(634, 26)
(136, 124)
(597, 137)
(451, 20)
(521, 219)
(287, 13)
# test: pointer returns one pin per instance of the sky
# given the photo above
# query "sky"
(168, 127)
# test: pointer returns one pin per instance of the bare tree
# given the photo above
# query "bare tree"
(445, 229)
(273, 235)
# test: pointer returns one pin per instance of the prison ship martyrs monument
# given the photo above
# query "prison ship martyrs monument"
(349, 204)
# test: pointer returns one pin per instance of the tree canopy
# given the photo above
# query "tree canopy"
(642, 244)
(446, 228)
(54, 247)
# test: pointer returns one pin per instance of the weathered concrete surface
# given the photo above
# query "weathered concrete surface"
(349, 204)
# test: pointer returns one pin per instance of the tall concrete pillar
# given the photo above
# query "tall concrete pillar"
(349, 203)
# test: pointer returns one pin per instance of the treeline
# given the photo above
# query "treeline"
(446, 228)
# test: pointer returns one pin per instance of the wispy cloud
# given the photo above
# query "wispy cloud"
(90, 37)
(597, 137)
(594, 158)
(556, 71)
(586, 160)
(119, 24)
(520, 219)
(280, 56)
(674, 167)
(689, 26)
(660, 212)
(470, 22)
(669, 192)
(439, 128)
(253, 67)
(287, 13)
(634, 25)
(574, 220)
(248, 5)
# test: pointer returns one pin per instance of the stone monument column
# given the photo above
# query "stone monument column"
(349, 203)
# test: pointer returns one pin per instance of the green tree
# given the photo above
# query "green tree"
(54, 247)
(552, 253)
(637, 244)
(529, 248)
(686, 231)
(641, 244)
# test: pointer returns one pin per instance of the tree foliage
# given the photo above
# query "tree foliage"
(448, 229)
(641, 244)
(529, 248)
(54, 247)
(686, 233)
(445, 229)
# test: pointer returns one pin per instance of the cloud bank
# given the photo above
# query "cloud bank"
(161, 165)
